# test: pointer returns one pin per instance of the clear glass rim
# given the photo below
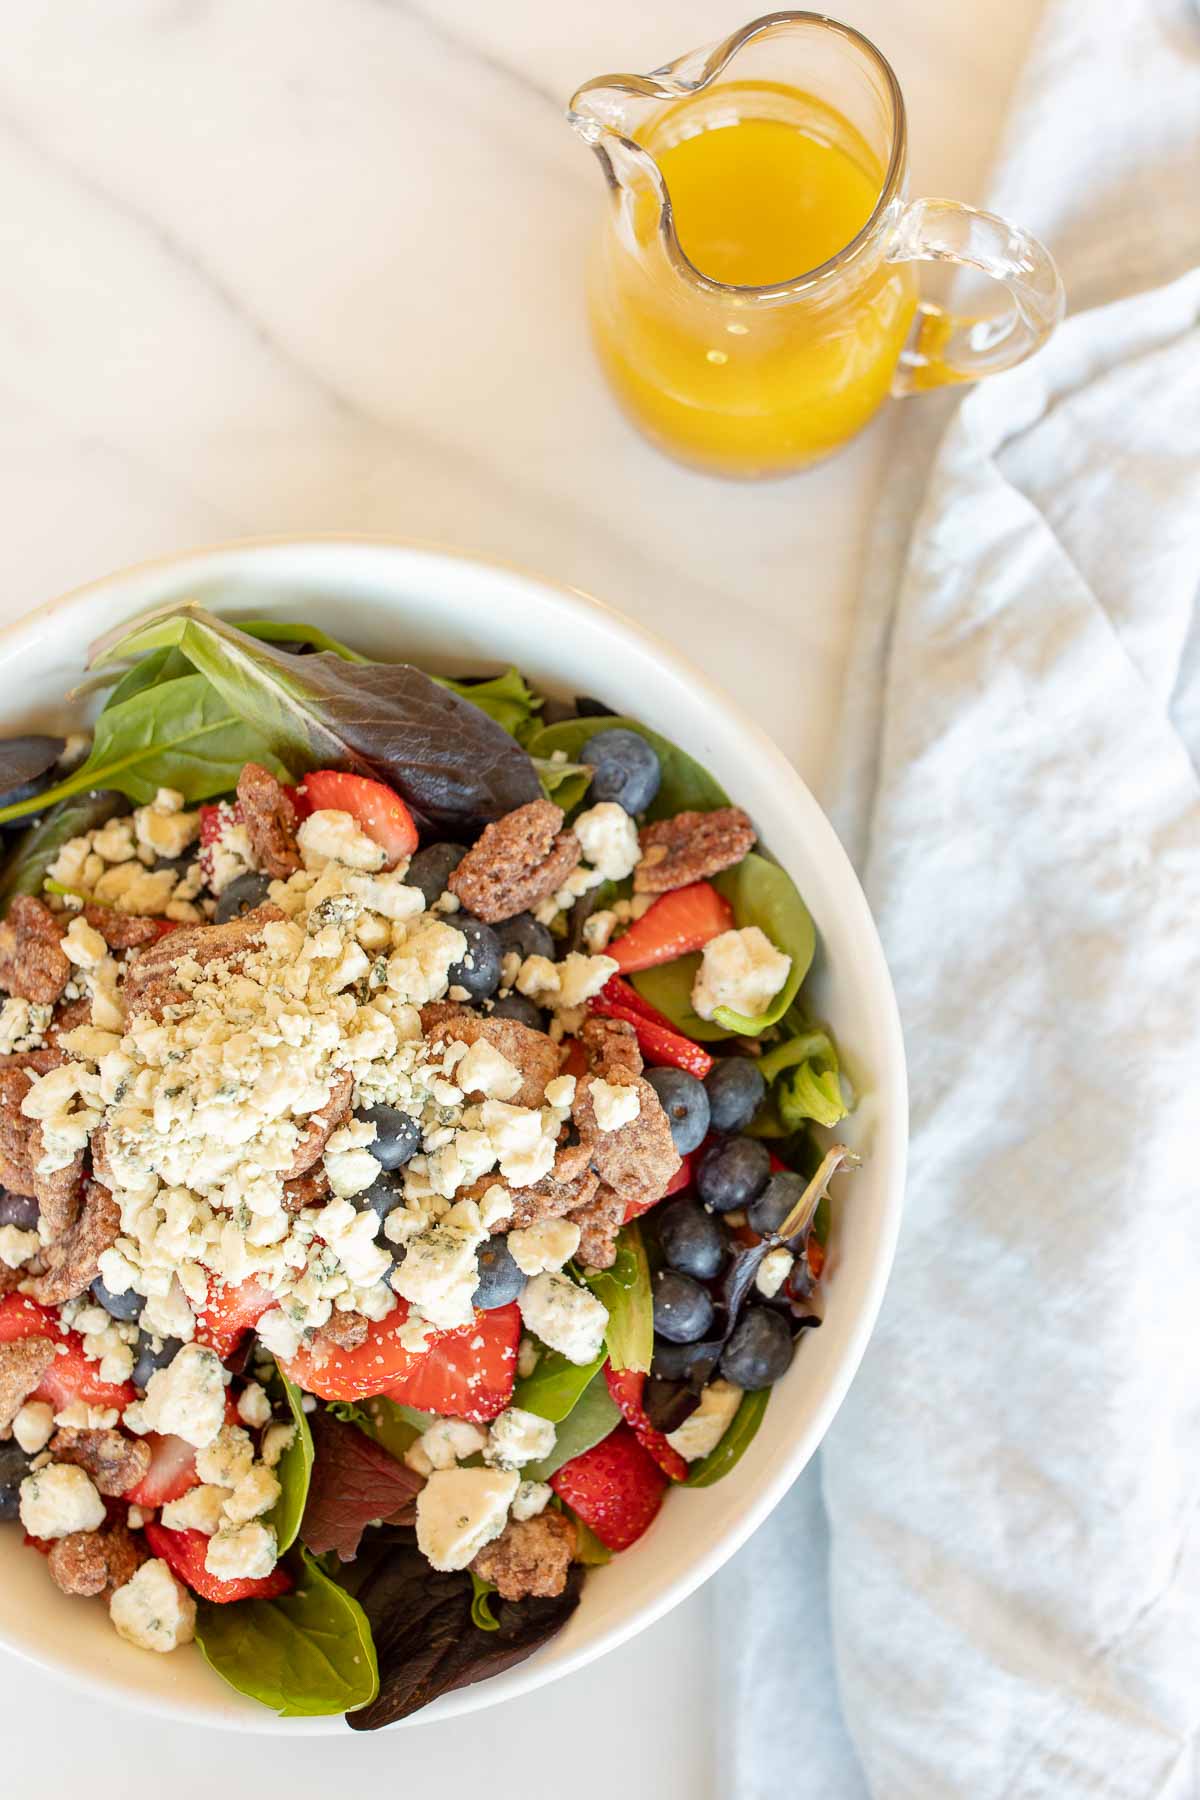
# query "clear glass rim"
(665, 84)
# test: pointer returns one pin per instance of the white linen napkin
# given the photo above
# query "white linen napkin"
(998, 1550)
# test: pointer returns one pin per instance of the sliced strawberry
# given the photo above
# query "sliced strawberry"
(676, 924)
(228, 1314)
(22, 1318)
(184, 1553)
(658, 1040)
(171, 1473)
(71, 1376)
(626, 1389)
(379, 812)
(616, 1487)
(465, 1374)
(681, 1179)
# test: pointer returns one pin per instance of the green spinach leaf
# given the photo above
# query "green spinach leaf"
(182, 735)
(743, 1426)
(293, 1470)
(763, 894)
(390, 721)
(310, 1652)
(590, 1420)
(32, 853)
(669, 988)
(154, 670)
(481, 1611)
(625, 1291)
(555, 1385)
(686, 785)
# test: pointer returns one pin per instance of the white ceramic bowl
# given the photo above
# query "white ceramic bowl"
(450, 613)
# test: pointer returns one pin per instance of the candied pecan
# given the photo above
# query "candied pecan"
(319, 1127)
(21, 1149)
(151, 984)
(40, 1062)
(22, 1365)
(95, 1562)
(115, 1462)
(530, 1052)
(67, 1015)
(599, 1222)
(270, 820)
(639, 1158)
(610, 1041)
(311, 1189)
(121, 931)
(691, 847)
(550, 1198)
(530, 1558)
(518, 860)
(33, 963)
(72, 1259)
(347, 1330)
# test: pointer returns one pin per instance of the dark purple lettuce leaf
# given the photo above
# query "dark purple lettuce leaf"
(444, 757)
(451, 762)
(425, 1641)
(354, 1483)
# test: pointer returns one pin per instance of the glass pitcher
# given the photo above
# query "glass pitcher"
(784, 145)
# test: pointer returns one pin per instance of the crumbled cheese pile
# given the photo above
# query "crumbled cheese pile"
(204, 1112)
(115, 864)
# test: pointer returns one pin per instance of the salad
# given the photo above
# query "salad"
(407, 1107)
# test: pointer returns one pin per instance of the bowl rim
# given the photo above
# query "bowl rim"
(890, 1082)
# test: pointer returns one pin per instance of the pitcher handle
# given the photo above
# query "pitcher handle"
(948, 347)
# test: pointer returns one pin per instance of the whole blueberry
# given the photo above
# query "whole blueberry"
(734, 1173)
(14, 1467)
(767, 1212)
(397, 1137)
(19, 1210)
(683, 1310)
(524, 935)
(479, 970)
(126, 1306)
(431, 868)
(759, 1350)
(690, 1239)
(685, 1103)
(382, 1197)
(625, 768)
(150, 1360)
(521, 1008)
(500, 1280)
(735, 1092)
(241, 896)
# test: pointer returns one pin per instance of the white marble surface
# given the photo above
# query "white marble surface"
(285, 265)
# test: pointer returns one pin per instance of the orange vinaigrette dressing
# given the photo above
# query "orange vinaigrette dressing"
(765, 185)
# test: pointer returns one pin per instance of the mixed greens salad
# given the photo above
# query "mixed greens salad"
(409, 1148)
